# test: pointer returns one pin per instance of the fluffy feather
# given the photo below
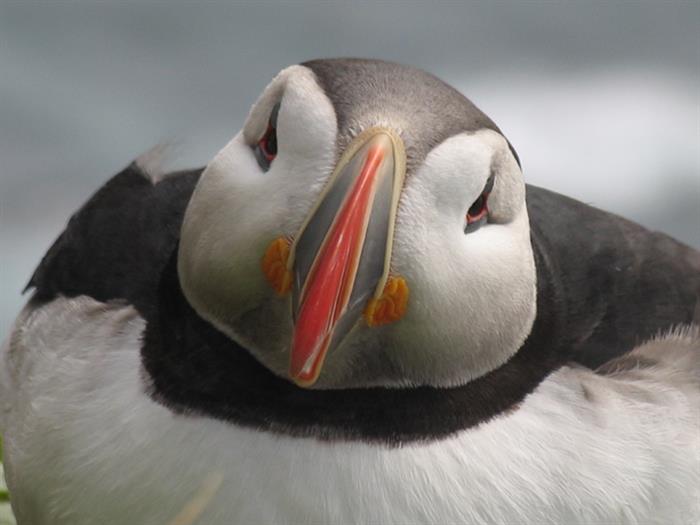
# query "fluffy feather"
(85, 445)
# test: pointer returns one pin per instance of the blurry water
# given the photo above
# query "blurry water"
(602, 101)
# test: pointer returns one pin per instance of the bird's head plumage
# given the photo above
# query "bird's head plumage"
(366, 227)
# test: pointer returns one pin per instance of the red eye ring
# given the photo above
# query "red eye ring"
(265, 149)
(479, 210)
(268, 143)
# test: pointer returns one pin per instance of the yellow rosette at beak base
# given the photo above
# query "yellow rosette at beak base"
(274, 266)
(390, 306)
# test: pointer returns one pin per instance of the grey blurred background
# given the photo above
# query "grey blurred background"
(601, 100)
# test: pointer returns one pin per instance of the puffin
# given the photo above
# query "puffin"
(357, 312)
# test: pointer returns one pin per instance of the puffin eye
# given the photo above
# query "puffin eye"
(479, 211)
(266, 148)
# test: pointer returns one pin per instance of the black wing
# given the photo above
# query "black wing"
(605, 282)
(117, 244)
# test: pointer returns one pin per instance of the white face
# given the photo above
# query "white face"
(472, 295)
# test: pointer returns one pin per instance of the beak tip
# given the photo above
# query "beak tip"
(300, 380)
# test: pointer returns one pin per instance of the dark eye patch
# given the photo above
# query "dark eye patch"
(265, 149)
(478, 212)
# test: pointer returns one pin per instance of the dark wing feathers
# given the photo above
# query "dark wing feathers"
(612, 283)
(117, 244)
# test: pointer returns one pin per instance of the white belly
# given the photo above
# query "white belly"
(84, 444)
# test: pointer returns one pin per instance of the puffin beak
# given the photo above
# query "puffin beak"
(340, 260)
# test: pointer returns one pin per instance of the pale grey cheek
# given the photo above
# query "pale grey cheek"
(266, 330)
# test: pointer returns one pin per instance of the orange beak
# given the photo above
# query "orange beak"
(341, 258)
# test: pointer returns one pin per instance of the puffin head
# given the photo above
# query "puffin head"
(366, 227)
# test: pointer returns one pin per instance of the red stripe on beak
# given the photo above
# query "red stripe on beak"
(327, 290)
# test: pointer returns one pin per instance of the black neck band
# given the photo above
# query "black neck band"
(194, 368)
